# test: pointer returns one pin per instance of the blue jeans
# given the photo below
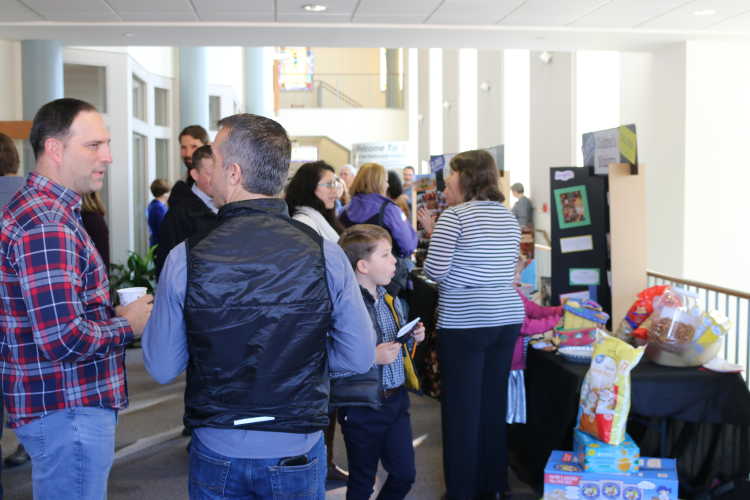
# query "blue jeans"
(213, 476)
(71, 452)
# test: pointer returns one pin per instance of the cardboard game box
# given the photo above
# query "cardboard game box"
(564, 479)
(596, 456)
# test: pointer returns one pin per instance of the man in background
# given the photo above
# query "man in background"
(191, 208)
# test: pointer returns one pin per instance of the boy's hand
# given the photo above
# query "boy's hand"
(418, 333)
(386, 353)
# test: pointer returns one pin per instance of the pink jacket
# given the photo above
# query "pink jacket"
(539, 319)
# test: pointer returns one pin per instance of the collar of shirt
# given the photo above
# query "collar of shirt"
(65, 196)
(204, 198)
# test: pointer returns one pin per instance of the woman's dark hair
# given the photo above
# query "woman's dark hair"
(395, 187)
(300, 192)
(477, 176)
(8, 156)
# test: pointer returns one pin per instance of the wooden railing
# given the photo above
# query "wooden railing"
(734, 304)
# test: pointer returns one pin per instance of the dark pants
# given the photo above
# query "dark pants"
(474, 366)
(385, 435)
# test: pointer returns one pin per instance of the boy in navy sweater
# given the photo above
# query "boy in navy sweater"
(383, 434)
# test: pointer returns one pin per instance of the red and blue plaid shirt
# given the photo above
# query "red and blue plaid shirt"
(61, 345)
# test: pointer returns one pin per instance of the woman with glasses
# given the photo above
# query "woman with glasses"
(311, 197)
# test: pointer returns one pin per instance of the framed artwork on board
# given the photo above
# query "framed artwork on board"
(572, 207)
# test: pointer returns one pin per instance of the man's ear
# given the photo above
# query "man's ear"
(54, 149)
(362, 267)
(194, 173)
(235, 174)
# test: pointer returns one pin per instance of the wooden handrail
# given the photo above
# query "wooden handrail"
(545, 235)
(698, 284)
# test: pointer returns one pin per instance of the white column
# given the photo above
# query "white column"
(193, 87)
(259, 80)
(490, 98)
(423, 107)
(552, 124)
(450, 101)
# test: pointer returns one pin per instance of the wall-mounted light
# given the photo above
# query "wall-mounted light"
(485, 86)
(447, 105)
(545, 57)
(315, 7)
(420, 117)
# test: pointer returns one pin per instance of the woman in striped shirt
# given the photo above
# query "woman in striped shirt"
(472, 255)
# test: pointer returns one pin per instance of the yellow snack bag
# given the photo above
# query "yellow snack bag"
(605, 394)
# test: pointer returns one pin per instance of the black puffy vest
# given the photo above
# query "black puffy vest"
(257, 312)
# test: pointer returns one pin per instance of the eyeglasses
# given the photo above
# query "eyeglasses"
(329, 185)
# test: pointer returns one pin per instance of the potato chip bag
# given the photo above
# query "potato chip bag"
(605, 393)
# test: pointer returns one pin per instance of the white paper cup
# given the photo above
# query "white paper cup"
(128, 295)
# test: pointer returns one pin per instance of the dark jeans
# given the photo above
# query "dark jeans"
(474, 366)
(373, 435)
(213, 476)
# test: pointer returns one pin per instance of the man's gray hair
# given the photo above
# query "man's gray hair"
(348, 167)
(517, 188)
(261, 147)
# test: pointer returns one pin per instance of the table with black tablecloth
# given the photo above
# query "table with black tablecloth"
(700, 418)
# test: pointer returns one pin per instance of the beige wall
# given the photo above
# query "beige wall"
(354, 71)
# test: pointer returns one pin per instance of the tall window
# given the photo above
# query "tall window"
(87, 83)
(214, 111)
(162, 158)
(140, 174)
(139, 98)
(161, 107)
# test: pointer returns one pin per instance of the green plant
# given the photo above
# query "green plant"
(138, 270)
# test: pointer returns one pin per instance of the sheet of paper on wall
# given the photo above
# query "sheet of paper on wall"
(576, 244)
(584, 295)
(564, 175)
(584, 276)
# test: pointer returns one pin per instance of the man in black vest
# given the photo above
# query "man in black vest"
(258, 311)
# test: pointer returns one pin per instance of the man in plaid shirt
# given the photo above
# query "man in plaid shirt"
(62, 345)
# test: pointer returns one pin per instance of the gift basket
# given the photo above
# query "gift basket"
(675, 329)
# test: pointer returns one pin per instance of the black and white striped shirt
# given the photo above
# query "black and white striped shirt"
(473, 254)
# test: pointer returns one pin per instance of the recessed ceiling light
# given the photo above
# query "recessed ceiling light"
(315, 7)
(128, 35)
(704, 12)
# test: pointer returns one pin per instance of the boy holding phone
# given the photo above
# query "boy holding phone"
(385, 433)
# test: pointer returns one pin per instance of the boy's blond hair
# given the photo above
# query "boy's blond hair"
(359, 241)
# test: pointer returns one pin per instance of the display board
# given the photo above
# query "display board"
(580, 235)
(605, 147)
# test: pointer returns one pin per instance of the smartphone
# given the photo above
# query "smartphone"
(293, 461)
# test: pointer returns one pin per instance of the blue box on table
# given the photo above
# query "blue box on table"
(565, 479)
(597, 456)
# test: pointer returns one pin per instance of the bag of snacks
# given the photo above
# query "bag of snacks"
(579, 314)
(639, 311)
(674, 321)
(605, 393)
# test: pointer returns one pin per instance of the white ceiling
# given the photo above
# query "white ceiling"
(533, 24)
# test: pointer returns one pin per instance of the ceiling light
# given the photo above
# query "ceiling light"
(315, 7)
(704, 12)
(128, 35)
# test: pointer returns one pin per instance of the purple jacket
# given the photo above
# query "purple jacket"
(364, 207)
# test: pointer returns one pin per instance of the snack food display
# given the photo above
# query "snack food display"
(605, 393)
(639, 311)
(580, 314)
(595, 456)
(680, 333)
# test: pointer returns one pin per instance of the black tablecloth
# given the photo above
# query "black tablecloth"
(699, 417)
